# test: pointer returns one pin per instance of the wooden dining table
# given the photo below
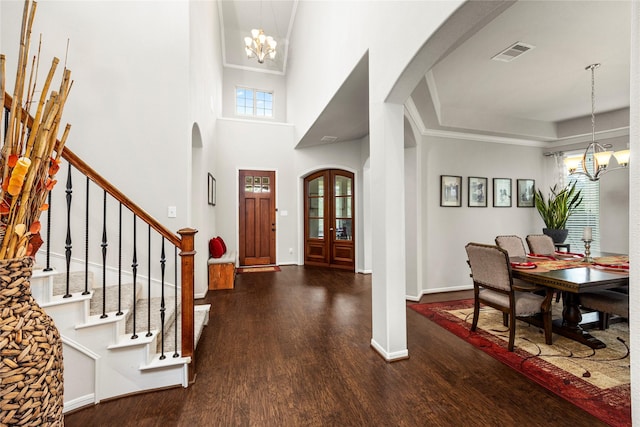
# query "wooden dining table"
(573, 277)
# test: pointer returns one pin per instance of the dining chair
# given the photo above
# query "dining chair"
(512, 244)
(493, 285)
(606, 302)
(540, 244)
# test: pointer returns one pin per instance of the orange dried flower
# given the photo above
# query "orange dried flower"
(35, 227)
(54, 166)
(13, 159)
(50, 183)
(44, 207)
(4, 207)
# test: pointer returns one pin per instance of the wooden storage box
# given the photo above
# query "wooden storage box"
(222, 271)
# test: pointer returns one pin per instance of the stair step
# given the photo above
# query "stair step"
(76, 282)
(142, 312)
(200, 320)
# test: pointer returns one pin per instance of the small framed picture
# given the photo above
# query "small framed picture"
(477, 192)
(211, 190)
(450, 190)
(526, 191)
(501, 192)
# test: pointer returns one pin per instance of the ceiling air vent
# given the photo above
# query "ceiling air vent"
(513, 51)
(329, 139)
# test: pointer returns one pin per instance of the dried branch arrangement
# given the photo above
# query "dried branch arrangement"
(31, 151)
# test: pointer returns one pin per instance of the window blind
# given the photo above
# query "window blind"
(587, 214)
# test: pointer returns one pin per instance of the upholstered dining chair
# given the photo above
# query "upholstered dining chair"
(493, 286)
(512, 244)
(540, 244)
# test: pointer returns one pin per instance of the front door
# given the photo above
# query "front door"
(257, 216)
(329, 219)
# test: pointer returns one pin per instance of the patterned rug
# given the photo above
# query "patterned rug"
(264, 269)
(597, 381)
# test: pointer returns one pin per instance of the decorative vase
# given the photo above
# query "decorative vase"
(558, 236)
(31, 372)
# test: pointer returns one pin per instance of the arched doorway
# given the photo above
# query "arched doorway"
(329, 207)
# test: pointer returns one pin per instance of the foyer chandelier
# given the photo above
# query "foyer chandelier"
(260, 45)
(599, 154)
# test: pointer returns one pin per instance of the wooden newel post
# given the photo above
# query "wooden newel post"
(187, 254)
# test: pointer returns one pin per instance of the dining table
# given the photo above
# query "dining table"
(572, 275)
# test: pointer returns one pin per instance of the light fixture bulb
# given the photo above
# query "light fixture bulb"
(622, 157)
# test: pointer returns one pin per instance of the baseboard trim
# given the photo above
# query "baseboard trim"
(80, 402)
(389, 357)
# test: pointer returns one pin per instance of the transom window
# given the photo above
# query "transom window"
(254, 102)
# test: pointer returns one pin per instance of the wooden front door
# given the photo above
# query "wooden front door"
(329, 219)
(257, 217)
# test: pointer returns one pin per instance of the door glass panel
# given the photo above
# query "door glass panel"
(316, 206)
(316, 187)
(248, 184)
(316, 228)
(265, 184)
(256, 184)
(343, 186)
(343, 207)
(343, 229)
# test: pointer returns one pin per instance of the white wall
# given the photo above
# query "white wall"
(446, 230)
(206, 98)
(245, 144)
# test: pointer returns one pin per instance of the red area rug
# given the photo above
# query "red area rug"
(594, 380)
(262, 269)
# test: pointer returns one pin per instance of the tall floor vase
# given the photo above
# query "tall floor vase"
(31, 375)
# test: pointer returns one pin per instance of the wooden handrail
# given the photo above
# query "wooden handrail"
(83, 167)
(79, 164)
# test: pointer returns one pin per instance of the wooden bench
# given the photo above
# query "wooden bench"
(222, 271)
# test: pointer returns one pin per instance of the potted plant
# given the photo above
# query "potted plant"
(557, 208)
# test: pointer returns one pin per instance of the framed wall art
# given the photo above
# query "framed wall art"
(477, 191)
(501, 192)
(526, 191)
(211, 190)
(450, 190)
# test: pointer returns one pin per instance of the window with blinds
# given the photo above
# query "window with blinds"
(587, 214)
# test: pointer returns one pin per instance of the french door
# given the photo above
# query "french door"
(329, 219)
(257, 217)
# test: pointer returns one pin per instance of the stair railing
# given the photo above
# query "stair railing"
(183, 243)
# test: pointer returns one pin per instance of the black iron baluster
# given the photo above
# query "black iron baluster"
(120, 313)
(104, 256)
(163, 261)
(86, 242)
(48, 267)
(149, 285)
(68, 246)
(134, 267)
(175, 300)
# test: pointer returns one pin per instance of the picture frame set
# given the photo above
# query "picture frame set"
(451, 192)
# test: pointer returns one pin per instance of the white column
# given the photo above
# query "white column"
(634, 209)
(389, 323)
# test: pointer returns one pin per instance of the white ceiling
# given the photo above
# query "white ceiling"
(467, 91)
(239, 17)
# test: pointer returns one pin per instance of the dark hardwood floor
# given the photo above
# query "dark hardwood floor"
(292, 348)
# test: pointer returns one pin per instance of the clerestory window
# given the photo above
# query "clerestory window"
(254, 102)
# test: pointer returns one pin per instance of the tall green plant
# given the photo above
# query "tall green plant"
(559, 206)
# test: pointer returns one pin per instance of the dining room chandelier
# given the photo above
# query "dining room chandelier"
(260, 45)
(598, 154)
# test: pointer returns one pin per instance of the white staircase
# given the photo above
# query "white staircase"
(101, 359)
